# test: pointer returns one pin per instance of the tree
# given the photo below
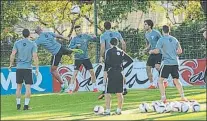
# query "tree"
(190, 9)
(117, 10)
(11, 13)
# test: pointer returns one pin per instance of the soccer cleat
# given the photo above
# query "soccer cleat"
(151, 87)
(116, 113)
(106, 114)
(165, 84)
(70, 92)
(63, 89)
(125, 91)
(95, 90)
(26, 107)
(101, 96)
(18, 106)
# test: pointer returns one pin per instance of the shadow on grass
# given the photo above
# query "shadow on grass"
(173, 114)
(76, 117)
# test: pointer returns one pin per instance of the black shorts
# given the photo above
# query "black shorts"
(24, 74)
(86, 63)
(55, 59)
(154, 59)
(115, 82)
(169, 69)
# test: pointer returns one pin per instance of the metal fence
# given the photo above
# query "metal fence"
(131, 28)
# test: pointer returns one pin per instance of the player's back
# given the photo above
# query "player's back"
(115, 57)
(169, 50)
(107, 36)
(25, 49)
(47, 39)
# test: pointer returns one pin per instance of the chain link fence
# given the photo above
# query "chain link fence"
(130, 24)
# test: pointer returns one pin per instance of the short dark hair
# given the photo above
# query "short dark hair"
(166, 29)
(114, 41)
(77, 26)
(26, 33)
(149, 23)
(107, 25)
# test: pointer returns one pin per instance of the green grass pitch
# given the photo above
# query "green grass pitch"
(55, 106)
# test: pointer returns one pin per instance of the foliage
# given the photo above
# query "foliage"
(55, 14)
(191, 39)
(135, 42)
(11, 13)
(118, 10)
(49, 14)
(190, 9)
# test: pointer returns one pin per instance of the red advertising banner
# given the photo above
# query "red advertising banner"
(193, 71)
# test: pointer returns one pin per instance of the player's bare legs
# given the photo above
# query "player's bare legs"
(124, 84)
(120, 102)
(18, 96)
(93, 79)
(180, 89)
(71, 85)
(162, 89)
(149, 74)
(108, 103)
(57, 76)
(27, 96)
(157, 67)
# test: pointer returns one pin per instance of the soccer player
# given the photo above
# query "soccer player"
(81, 41)
(154, 60)
(113, 71)
(170, 48)
(25, 50)
(105, 45)
(47, 39)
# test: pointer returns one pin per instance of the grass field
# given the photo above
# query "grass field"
(80, 106)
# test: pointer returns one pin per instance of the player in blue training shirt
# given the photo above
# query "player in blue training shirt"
(154, 60)
(105, 45)
(170, 48)
(25, 50)
(47, 40)
(81, 41)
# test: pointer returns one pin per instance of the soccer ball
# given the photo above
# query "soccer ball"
(75, 9)
(176, 107)
(169, 107)
(195, 106)
(144, 107)
(154, 105)
(160, 108)
(98, 109)
(184, 107)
